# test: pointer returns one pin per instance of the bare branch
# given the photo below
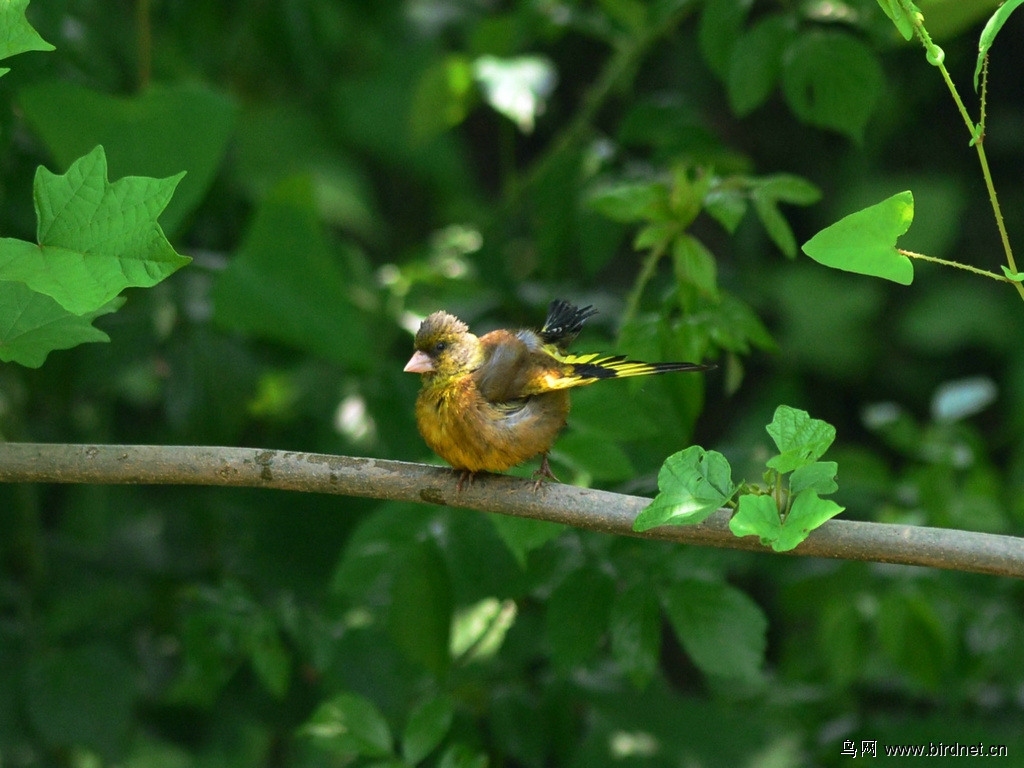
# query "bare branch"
(579, 507)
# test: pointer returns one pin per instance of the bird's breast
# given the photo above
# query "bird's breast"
(471, 433)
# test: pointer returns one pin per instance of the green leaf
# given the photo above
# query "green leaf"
(522, 535)
(756, 515)
(721, 24)
(95, 238)
(721, 628)
(988, 34)
(693, 484)
(267, 654)
(695, 265)
(577, 616)
(601, 459)
(1016, 277)
(479, 630)
(801, 440)
(163, 130)
(788, 188)
(461, 756)
(426, 728)
(636, 633)
(631, 201)
(782, 187)
(726, 206)
(820, 476)
(631, 15)
(807, 513)
(81, 698)
(865, 241)
(349, 725)
(421, 607)
(442, 98)
(896, 14)
(285, 284)
(33, 325)
(756, 62)
(16, 34)
(832, 80)
(775, 223)
(915, 637)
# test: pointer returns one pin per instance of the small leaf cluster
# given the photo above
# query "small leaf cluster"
(695, 482)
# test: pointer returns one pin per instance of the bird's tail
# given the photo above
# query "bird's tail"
(593, 367)
(564, 323)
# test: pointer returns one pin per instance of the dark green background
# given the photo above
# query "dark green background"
(334, 182)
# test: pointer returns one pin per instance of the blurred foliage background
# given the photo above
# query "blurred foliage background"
(354, 166)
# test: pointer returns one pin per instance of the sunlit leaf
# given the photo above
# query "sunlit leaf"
(800, 439)
(693, 484)
(16, 34)
(865, 241)
(95, 238)
(988, 34)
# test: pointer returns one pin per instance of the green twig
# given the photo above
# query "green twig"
(957, 264)
(647, 271)
(936, 56)
(144, 36)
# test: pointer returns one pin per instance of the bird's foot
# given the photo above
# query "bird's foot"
(464, 476)
(543, 473)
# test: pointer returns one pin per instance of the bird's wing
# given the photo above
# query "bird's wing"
(502, 375)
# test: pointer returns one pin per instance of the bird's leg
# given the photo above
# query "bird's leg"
(464, 475)
(543, 472)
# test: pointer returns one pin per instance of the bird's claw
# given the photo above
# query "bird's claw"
(544, 472)
(464, 475)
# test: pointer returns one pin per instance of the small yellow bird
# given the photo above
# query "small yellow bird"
(489, 403)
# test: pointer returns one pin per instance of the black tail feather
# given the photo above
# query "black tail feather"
(564, 323)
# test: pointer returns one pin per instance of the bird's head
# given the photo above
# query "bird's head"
(444, 347)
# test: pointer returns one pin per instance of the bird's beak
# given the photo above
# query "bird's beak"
(419, 363)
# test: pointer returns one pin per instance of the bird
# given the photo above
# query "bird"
(492, 402)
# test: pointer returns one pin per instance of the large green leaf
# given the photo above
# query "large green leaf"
(421, 607)
(756, 63)
(160, 132)
(285, 283)
(96, 238)
(832, 80)
(577, 616)
(16, 34)
(81, 698)
(693, 483)
(636, 633)
(865, 241)
(349, 725)
(427, 726)
(32, 325)
(720, 627)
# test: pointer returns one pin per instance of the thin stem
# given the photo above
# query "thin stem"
(647, 271)
(144, 31)
(936, 57)
(957, 264)
(623, 63)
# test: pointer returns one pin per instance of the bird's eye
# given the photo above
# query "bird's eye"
(440, 347)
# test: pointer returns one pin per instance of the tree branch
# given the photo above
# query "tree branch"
(401, 481)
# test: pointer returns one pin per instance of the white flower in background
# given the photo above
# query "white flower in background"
(517, 88)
